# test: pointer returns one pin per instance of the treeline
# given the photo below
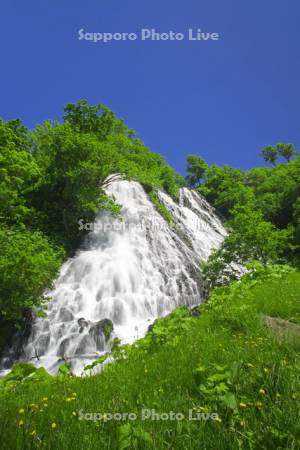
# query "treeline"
(261, 208)
(52, 176)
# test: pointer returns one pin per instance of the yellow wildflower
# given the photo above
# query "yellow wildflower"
(242, 423)
(74, 413)
(218, 419)
(262, 391)
(53, 425)
(266, 370)
(250, 365)
(21, 411)
(45, 399)
(243, 405)
(33, 433)
(21, 423)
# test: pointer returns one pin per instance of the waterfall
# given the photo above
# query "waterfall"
(128, 273)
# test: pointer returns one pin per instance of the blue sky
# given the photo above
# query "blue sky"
(223, 100)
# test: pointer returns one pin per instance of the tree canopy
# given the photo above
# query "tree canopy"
(262, 210)
(196, 168)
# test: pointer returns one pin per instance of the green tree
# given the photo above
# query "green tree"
(251, 238)
(98, 120)
(224, 187)
(19, 173)
(270, 154)
(74, 166)
(28, 265)
(196, 168)
(287, 151)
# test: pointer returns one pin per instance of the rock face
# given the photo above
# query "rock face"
(128, 273)
(283, 329)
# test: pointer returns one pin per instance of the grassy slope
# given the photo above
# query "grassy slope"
(251, 380)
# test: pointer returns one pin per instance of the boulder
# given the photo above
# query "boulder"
(83, 323)
(104, 326)
(65, 315)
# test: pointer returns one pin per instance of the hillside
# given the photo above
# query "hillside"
(225, 361)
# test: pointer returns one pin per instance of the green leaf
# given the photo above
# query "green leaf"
(229, 400)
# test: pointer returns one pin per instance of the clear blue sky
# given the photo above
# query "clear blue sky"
(223, 100)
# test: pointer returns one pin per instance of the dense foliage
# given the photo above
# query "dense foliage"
(28, 264)
(261, 206)
(196, 169)
(51, 177)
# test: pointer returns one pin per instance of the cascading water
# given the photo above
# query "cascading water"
(130, 272)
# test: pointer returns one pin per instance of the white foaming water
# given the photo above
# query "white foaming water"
(133, 273)
(197, 219)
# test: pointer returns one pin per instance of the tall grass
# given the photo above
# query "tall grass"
(225, 361)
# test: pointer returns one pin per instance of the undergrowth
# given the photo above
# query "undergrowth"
(224, 362)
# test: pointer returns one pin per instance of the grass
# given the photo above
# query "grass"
(224, 361)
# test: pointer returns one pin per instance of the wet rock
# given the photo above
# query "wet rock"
(63, 347)
(65, 315)
(42, 343)
(194, 311)
(60, 332)
(150, 328)
(82, 322)
(83, 346)
(104, 327)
